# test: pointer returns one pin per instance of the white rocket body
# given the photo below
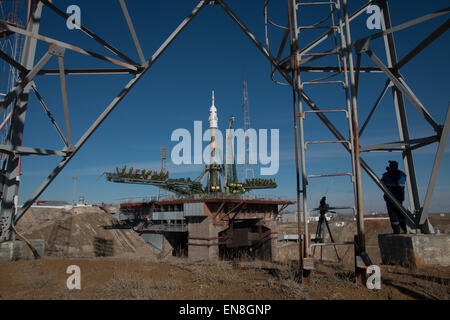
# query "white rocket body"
(213, 125)
(213, 120)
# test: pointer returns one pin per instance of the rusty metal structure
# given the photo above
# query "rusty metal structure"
(209, 226)
(345, 72)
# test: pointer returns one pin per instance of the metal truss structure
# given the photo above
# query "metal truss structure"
(345, 73)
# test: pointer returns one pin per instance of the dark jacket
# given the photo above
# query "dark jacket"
(395, 180)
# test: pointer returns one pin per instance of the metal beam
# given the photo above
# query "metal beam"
(47, 111)
(55, 72)
(425, 43)
(377, 103)
(9, 199)
(361, 248)
(64, 96)
(400, 111)
(13, 62)
(434, 173)
(19, 150)
(132, 31)
(357, 70)
(401, 144)
(336, 69)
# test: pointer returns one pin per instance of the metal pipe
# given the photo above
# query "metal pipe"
(132, 31)
(47, 111)
(434, 173)
(6, 120)
(64, 98)
(377, 103)
(357, 160)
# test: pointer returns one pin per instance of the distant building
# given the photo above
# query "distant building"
(53, 204)
(288, 217)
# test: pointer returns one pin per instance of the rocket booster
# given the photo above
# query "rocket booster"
(213, 122)
(213, 119)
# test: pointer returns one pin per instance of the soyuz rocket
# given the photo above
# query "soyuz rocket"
(213, 121)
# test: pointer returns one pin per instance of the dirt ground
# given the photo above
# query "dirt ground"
(84, 232)
(175, 278)
(117, 264)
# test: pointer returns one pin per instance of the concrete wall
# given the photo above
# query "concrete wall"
(206, 248)
(415, 250)
(273, 226)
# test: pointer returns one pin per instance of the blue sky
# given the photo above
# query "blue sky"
(213, 54)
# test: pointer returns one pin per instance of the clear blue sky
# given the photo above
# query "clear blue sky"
(213, 53)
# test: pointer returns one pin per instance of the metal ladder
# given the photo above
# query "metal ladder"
(342, 72)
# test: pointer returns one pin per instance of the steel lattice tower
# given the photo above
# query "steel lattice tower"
(246, 125)
(164, 155)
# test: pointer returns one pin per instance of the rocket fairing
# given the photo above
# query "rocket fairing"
(213, 119)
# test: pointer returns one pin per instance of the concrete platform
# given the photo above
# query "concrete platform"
(415, 250)
(19, 250)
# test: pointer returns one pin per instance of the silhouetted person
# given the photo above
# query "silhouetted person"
(394, 180)
(323, 209)
(324, 206)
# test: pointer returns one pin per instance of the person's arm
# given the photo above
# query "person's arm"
(402, 179)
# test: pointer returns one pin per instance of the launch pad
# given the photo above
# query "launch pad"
(208, 220)
(206, 228)
(294, 65)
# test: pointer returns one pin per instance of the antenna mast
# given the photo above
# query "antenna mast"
(246, 125)
(164, 155)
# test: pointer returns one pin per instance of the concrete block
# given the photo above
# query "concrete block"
(415, 250)
(19, 250)
(205, 246)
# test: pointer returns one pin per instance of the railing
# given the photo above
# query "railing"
(222, 195)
